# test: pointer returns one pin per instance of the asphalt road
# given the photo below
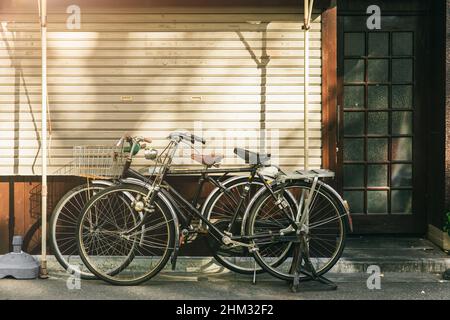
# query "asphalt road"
(175, 286)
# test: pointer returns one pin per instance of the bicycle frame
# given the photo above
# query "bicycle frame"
(191, 206)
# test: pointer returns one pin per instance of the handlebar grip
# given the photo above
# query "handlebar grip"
(197, 138)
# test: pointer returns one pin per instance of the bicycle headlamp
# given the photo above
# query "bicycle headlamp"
(150, 154)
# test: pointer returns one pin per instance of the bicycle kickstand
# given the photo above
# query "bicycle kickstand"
(295, 267)
(312, 274)
(301, 254)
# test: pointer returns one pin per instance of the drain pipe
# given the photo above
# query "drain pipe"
(43, 21)
(308, 6)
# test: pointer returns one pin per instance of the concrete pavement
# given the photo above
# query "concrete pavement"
(173, 285)
(411, 268)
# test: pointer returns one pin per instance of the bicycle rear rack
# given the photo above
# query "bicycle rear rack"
(306, 174)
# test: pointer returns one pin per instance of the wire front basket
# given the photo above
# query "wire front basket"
(99, 162)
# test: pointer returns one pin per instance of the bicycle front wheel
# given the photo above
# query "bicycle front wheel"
(326, 228)
(116, 245)
(63, 226)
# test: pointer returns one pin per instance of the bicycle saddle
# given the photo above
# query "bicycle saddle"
(207, 159)
(251, 157)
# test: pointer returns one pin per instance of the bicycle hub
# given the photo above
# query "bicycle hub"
(139, 206)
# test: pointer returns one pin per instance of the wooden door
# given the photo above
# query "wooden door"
(382, 84)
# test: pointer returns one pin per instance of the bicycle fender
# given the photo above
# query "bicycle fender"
(343, 203)
(106, 183)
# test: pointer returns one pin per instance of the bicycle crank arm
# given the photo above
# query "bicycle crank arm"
(233, 243)
(277, 239)
(268, 235)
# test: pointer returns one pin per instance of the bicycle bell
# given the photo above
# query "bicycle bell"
(150, 154)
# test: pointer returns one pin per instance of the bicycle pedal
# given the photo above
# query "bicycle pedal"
(191, 238)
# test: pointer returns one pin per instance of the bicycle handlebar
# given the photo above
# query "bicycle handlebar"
(187, 136)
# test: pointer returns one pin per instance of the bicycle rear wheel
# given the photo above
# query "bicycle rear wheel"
(112, 249)
(327, 228)
(219, 210)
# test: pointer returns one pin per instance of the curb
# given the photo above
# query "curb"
(208, 266)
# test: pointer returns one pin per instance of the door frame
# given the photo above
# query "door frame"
(389, 224)
(330, 90)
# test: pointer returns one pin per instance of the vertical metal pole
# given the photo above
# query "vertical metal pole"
(43, 20)
(306, 83)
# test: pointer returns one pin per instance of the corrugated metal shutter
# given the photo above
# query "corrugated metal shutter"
(150, 73)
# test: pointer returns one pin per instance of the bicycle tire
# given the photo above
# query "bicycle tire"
(340, 211)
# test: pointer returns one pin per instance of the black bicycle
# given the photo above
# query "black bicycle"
(228, 200)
